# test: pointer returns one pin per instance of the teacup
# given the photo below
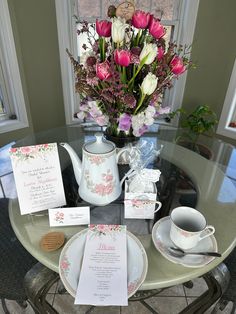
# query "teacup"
(188, 227)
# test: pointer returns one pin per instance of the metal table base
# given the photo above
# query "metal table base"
(40, 279)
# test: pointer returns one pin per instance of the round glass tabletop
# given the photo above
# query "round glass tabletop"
(187, 178)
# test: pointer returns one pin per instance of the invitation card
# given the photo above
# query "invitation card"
(38, 179)
(103, 277)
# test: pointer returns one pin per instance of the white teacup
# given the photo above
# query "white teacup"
(188, 227)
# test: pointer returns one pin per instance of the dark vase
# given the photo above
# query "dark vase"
(120, 140)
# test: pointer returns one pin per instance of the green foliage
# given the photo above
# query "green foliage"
(201, 120)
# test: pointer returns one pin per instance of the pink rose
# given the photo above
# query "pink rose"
(108, 189)
(103, 70)
(156, 29)
(122, 57)
(108, 177)
(25, 150)
(64, 265)
(101, 227)
(177, 65)
(99, 189)
(103, 28)
(140, 19)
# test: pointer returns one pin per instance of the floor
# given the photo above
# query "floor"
(169, 301)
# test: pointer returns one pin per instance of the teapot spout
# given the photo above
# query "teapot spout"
(76, 162)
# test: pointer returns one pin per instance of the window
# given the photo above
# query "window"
(179, 17)
(227, 123)
(2, 95)
(12, 104)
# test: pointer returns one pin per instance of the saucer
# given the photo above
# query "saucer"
(161, 240)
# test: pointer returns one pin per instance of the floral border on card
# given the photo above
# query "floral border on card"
(21, 154)
(103, 230)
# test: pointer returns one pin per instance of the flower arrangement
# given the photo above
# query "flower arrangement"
(122, 76)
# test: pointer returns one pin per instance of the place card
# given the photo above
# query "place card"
(38, 179)
(103, 277)
(69, 216)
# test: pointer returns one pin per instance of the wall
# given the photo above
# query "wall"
(214, 52)
(35, 32)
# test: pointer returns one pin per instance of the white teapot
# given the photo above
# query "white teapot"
(97, 176)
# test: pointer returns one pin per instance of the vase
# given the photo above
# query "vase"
(121, 139)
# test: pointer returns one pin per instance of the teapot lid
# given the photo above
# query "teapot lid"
(100, 145)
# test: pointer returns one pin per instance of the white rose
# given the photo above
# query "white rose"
(118, 29)
(149, 50)
(149, 84)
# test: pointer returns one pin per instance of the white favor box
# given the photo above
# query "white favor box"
(139, 205)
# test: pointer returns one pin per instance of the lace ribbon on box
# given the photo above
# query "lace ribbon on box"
(139, 156)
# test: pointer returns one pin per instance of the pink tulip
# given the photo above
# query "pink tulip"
(156, 29)
(140, 19)
(122, 57)
(103, 28)
(177, 65)
(160, 53)
(103, 70)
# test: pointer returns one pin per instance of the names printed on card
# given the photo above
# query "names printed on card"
(69, 216)
(38, 178)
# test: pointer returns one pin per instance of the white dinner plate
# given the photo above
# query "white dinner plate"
(161, 240)
(70, 262)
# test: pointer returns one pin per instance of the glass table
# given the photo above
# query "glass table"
(209, 186)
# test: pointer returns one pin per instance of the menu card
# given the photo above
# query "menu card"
(38, 177)
(103, 277)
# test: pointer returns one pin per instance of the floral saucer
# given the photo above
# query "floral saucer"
(161, 240)
(71, 261)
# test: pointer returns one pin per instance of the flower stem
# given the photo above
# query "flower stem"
(140, 102)
(138, 37)
(137, 72)
(123, 76)
(102, 48)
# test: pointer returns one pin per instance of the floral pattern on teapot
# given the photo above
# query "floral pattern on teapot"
(105, 187)
(97, 160)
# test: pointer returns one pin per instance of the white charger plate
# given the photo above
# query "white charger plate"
(161, 240)
(70, 262)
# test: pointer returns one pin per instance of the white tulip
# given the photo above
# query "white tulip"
(149, 84)
(149, 50)
(118, 29)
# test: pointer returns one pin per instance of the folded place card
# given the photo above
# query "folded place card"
(69, 216)
(38, 179)
(103, 277)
